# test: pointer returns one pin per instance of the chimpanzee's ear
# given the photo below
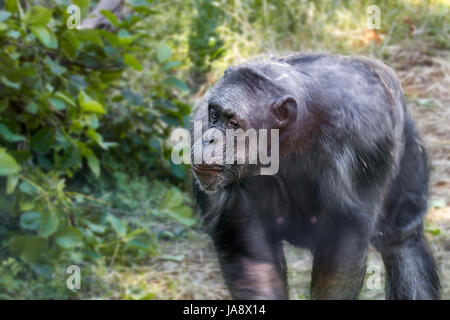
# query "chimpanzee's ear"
(284, 110)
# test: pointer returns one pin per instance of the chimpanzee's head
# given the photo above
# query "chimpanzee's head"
(248, 98)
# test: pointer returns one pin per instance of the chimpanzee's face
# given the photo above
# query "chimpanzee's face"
(230, 148)
(221, 166)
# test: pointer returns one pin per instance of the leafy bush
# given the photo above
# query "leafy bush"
(205, 44)
(71, 124)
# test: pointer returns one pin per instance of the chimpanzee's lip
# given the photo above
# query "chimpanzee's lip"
(207, 168)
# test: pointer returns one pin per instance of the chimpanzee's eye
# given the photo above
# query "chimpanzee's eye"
(232, 123)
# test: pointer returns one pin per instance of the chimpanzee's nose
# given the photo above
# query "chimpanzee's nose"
(211, 139)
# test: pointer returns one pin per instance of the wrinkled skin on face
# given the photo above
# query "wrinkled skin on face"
(244, 99)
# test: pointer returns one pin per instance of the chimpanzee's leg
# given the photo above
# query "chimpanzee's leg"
(410, 269)
(251, 258)
(339, 266)
(251, 277)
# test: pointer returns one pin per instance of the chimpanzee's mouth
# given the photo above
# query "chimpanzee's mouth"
(207, 169)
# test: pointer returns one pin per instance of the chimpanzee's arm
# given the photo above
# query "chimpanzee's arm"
(250, 255)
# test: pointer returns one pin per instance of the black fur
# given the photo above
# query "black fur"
(352, 172)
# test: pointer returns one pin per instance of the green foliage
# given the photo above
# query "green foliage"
(205, 44)
(40, 281)
(173, 205)
(69, 123)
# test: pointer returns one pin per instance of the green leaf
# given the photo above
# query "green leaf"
(46, 36)
(125, 38)
(49, 223)
(32, 107)
(171, 64)
(131, 61)
(155, 144)
(110, 16)
(3, 105)
(43, 270)
(29, 189)
(173, 206)
(434, 232)
(172, 199)
(93, 106)
(95, 136)
(89, 105)
(27, 247)
(11, 5)
(118, 225)
(177, 83)
(15, 56)
(20, 155)
(97, 228)
(38, 16)
(10, 84)
(4, 15)
(13, 34)
(70, 159)
(11, 183)
(178, 170)
(164, 52)
(84, 6)
(93, 162)
(57, 103)
(45, 162)
(8, 164)
(69, 237)
(30, 220)
(148, 296)
(55, 67)
(33, 250)
(136, 233)
(16, 244)
(8, 135)
(42, 141)
(89, 35)
(139, 243)
(183, 215)
(60, 95)
(70, 43)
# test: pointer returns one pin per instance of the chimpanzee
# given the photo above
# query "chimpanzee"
(352, 172)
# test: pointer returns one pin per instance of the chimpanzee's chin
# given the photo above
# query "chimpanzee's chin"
(210, 182)
(211, 188)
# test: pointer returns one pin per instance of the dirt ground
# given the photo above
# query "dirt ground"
(426, 83)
